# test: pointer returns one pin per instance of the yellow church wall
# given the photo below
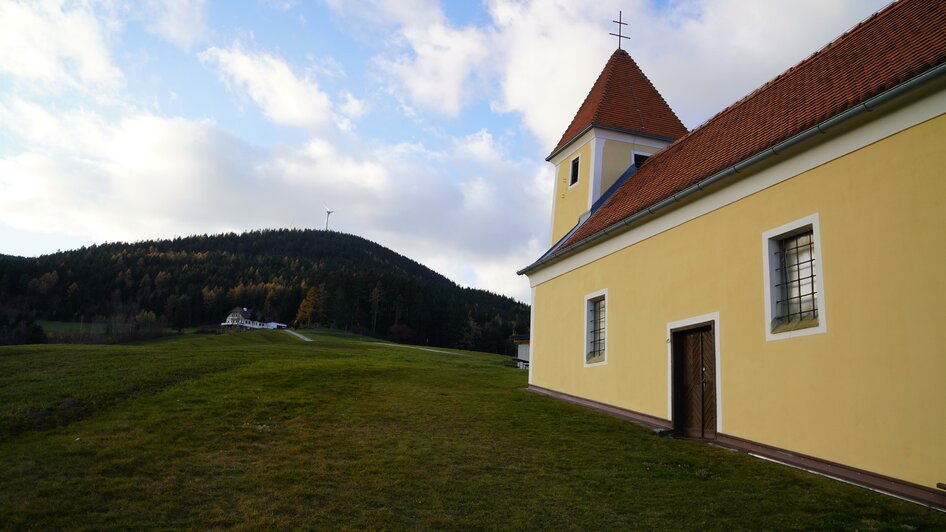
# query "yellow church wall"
(571, 202)
(866, 393)
(616, 159)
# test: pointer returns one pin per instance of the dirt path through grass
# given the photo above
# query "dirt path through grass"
(428, 349)
(298, 335)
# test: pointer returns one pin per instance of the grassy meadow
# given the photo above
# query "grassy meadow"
(262, 430)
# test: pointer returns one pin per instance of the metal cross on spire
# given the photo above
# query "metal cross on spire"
(619, 34)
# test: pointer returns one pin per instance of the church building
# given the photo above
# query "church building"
(773, 280)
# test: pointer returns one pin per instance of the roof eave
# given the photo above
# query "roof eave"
(657, 208)
(607, 128)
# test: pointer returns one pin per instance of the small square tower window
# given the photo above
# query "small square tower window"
(573, 179)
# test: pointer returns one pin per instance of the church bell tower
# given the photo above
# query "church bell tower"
(622, 121)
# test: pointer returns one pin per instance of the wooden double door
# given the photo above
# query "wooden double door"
(694, 381)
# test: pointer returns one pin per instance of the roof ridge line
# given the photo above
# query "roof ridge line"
(630, 89)
(908, 59)
(606, 89)
(623, 97)
(604, 92)
(587, 96)
(833, 43)
(569, 248)
(656, 90)
(784, 75)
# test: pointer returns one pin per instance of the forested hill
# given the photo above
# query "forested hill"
(299, 277)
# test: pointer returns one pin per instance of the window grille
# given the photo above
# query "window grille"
(797, 298)
(596, 329)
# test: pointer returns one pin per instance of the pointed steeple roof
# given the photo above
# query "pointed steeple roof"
(899, 46)
(623, 99)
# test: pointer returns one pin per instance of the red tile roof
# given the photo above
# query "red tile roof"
(623, 98)
(898, 43)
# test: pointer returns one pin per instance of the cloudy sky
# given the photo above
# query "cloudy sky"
(425, 124)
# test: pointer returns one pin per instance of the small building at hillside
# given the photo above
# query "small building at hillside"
(771, 281)
(522, 349)
(242, 318)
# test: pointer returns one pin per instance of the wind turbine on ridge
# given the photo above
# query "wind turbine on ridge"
(328, 212)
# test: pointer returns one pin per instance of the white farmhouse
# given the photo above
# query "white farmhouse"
(240, 317)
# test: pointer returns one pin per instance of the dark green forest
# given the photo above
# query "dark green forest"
(299, 277)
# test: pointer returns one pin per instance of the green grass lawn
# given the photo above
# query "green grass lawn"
(262, 430)
(73, 330)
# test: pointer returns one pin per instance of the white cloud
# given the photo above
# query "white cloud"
(498, 273)
(182, 22)
(282, 5)
(322, 165)
(549, 53)
(386, 13)
(547, 56)
(327, 67)
(480, 146)
(285, 98)
(429, 63)
(352, 107)
(69, 133)
(539, 58)
(126, 179)
(146, 176)
(54, 46)
(728, 48)
(436, 73)
(472, 208)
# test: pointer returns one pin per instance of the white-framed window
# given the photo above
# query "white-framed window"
(595, 349)
(573, 177)
(794, 280)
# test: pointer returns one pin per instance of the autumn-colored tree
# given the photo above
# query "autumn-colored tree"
(359, 285)
(306, 311)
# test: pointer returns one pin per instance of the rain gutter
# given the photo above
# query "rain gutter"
(699, 186)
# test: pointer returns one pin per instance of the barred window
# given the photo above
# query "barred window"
(597, 324)
(797, 303)
(794, 280)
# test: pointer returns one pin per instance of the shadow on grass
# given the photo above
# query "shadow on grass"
(249, 431)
